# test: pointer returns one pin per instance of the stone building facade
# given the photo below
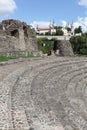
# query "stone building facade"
(17, 37)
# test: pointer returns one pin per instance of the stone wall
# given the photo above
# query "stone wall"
(64, 48)
(15, 53)
(17, 36)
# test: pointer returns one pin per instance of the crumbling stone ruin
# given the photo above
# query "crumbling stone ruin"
(17, 38)
(64, 48)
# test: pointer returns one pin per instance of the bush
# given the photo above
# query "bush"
(79, 44)
(83, 51)
(45, 45)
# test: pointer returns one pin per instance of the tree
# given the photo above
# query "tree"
(45, 45)
(79, 44)
(47, 33)
(59, 32)
(68, 29)
(58, 27)
(78, 30)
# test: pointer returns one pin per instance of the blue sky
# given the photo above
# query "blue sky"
(43, 11)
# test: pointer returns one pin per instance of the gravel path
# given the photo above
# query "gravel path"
(44, 94)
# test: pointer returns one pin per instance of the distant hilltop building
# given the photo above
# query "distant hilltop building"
(17, 36)
(46, 30)
(50, 30)
(68, 30)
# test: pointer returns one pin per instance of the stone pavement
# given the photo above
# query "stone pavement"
(45, 94)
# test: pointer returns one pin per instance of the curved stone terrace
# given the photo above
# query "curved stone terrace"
(45, 94)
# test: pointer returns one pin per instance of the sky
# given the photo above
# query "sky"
(42, 12)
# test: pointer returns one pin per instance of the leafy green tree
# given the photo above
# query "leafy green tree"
(79, 44)
(59, 30)
(58, 27)
(78, 30)
(47, 33)
(45, 45)
(68, 29)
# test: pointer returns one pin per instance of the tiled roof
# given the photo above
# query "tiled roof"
(43, 29)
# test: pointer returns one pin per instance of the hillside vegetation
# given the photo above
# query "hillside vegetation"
(45, 45)
(79, 44)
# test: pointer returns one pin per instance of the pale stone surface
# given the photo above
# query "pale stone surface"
(65, 48)
(45, 94)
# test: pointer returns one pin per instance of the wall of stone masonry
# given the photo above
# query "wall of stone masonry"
(15, 53)
(18, 37)
(20, 53)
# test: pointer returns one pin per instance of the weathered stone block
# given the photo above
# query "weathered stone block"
(65, 48)
(17, 36)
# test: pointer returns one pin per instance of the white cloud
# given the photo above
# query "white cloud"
(81, 22)
(64, 23)
(40, 24)
(83, 2)
(7, 7)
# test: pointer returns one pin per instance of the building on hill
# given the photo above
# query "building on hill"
(46, 30)
(42, 30)
(49, 30)
(68, 30)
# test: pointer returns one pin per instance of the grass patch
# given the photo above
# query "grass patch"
(5, 58)
(81, 55)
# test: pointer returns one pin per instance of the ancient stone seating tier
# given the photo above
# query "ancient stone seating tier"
(44, 94)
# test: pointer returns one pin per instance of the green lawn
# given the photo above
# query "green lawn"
(4, 58)
(81, 55)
